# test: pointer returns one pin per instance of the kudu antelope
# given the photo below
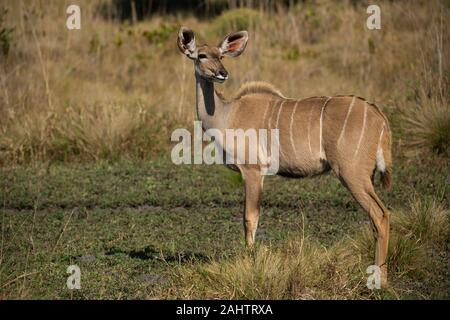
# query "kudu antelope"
(345, 134)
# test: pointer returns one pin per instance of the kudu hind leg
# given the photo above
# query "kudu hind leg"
(253, 192)
(364, 194)
(382, 227)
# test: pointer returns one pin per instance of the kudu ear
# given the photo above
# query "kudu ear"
(234, 44)
(186, 42)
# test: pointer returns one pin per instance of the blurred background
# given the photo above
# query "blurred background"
(118, 87)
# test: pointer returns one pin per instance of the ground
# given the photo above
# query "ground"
(130, 226)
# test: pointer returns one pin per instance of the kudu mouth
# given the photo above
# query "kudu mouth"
(219, 77)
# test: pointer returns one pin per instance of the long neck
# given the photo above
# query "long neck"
(211, 108)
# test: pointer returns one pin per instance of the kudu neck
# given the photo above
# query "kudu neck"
(211, 109)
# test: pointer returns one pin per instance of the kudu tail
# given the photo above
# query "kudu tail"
(384, 158)
(386, 179)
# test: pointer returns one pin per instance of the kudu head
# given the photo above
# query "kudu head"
(207, 59)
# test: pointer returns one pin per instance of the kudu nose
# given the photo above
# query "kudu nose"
(223, 73)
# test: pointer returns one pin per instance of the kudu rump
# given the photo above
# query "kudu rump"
(345, 134)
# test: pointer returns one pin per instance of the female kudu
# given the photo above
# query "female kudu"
(343, 133)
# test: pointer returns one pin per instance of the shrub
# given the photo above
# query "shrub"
(236, 19)
(292, 54)
(160, 36)
(5, 33)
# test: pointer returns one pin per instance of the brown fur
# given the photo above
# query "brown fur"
(386, 179)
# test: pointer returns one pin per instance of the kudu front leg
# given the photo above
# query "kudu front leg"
(253, 192)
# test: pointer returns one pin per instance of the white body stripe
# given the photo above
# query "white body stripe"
(276, 126)
(346, 119)
(269, 124)
(362, 130)
(320, 128)
(265, 113)
(279, 111)
(309, 129)
(262, 150)
(291, 137)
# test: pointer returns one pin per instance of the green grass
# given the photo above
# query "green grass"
(146, 229)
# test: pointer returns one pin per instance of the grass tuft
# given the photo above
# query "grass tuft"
(425, 220)
(299, 269)
(428, 127)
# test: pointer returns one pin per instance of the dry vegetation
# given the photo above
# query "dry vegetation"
(115, 90)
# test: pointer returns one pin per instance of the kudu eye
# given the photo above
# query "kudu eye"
(202, 56)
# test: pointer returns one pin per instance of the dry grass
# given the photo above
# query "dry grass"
(101, 131)
(428, 126)
(81, 95)
(427, 220)
(303, 269)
